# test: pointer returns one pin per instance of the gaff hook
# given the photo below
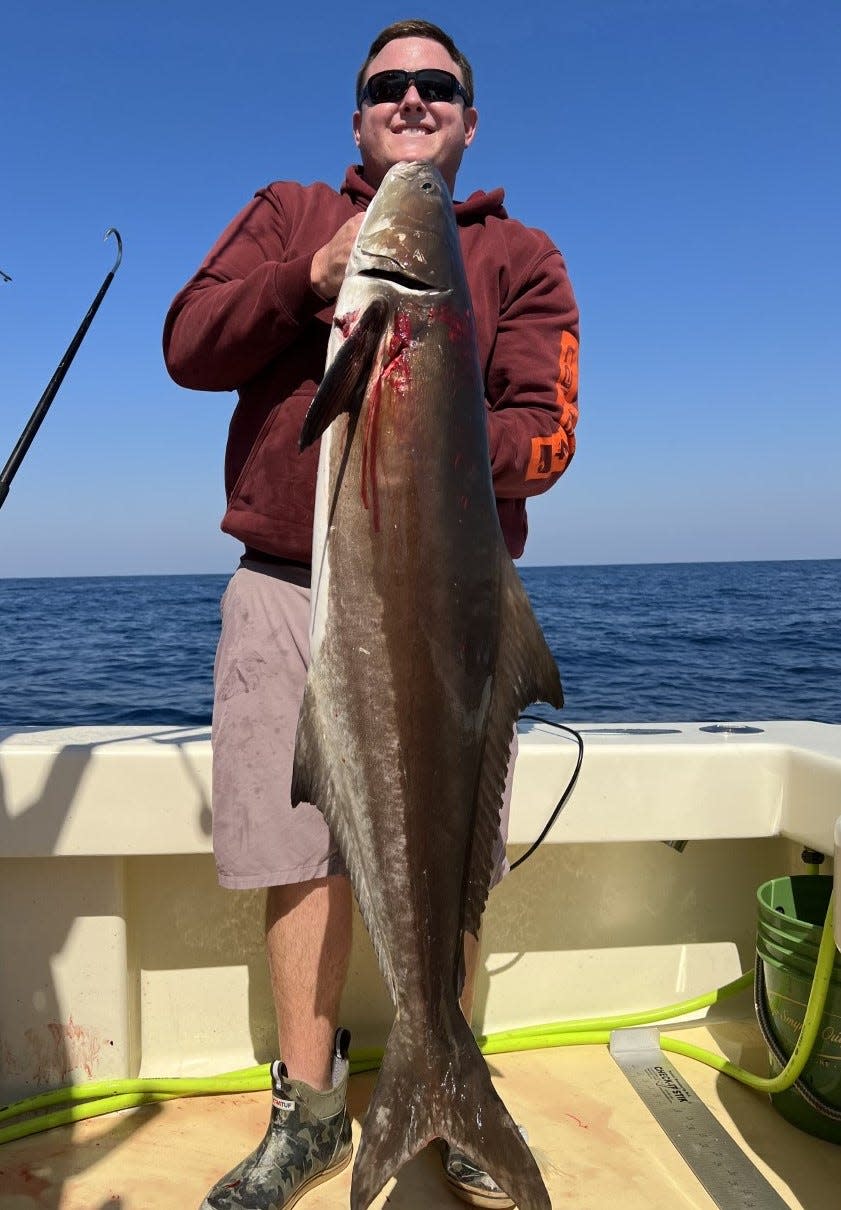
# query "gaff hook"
(113, 231)
(41, 408)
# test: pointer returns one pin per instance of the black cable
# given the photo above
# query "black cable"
(535, 718)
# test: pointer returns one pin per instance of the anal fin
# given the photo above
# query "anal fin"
(525, 672)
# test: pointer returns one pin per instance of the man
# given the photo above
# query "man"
(256, 318)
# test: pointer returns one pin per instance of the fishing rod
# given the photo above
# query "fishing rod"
(42, 407)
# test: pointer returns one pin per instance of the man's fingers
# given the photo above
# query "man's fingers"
(330, 261)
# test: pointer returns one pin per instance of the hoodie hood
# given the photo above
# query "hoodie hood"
(475, 208)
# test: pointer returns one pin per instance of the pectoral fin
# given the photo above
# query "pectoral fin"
(342, 388)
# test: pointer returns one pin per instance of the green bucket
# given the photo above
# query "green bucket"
(791, 916)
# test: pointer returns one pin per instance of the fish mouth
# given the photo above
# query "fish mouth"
(398, 277)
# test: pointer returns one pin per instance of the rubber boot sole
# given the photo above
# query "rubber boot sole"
(318, 1179)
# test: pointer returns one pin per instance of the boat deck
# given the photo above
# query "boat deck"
(594, 1140)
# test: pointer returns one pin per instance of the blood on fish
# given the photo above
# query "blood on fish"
(396, 370)
(369, 451)
(402, 335)
(346, 323)
(457, 323)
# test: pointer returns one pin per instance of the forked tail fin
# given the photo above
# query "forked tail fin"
(438, 1086)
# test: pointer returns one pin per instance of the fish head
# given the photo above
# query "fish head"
(409, 234)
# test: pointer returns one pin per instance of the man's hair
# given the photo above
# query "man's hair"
(417, 29)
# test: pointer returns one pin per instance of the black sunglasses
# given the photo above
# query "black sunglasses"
(431, 83)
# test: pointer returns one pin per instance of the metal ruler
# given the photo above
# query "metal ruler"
(728, 1175)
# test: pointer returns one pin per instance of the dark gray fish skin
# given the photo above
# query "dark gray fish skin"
(424, 651)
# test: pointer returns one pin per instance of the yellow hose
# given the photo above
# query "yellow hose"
(107, 1096)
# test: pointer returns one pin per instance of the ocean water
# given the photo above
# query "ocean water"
(711, 642)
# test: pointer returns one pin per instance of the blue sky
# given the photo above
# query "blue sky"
(684, 154)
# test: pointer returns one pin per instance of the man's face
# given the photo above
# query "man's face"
(413, 129)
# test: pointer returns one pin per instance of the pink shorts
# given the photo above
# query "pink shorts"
(259, 838)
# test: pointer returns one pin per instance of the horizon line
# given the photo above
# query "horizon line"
(139, 575)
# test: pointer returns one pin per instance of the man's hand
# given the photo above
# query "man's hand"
(328, 265)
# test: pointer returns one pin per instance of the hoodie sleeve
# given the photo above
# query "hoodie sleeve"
(243, 306)
(532, 383)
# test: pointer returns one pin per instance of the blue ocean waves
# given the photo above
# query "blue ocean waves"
(634, 643)
(694, 641)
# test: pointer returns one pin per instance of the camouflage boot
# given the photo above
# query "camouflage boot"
(307, 1142)
(473, 1185)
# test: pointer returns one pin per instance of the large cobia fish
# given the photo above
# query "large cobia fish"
(424, 651)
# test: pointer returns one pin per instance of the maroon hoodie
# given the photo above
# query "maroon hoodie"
(249, 321)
